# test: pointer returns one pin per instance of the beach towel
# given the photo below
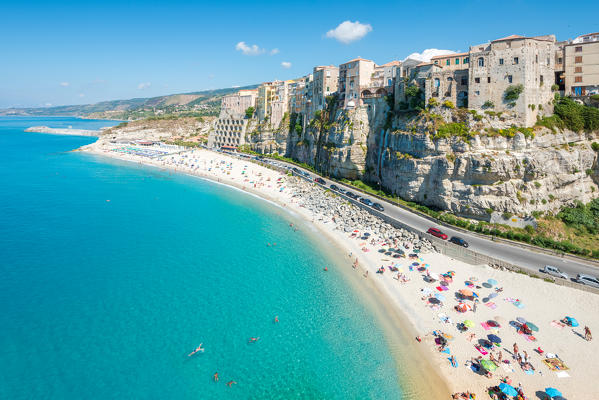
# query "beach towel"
(557, 324)
(440, 288)
(562, 374)
(446, 351)
(481, 350)
(485, 326)
(529, 372)
(453, 363)
(491, 305)
(507, 368)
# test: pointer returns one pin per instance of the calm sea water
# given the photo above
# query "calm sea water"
(110, 273)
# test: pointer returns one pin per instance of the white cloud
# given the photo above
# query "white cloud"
(348, 31)
(64, 84)
(427, 54)
(252, 50)
(274, 51)
(286, 64)
(144, 85)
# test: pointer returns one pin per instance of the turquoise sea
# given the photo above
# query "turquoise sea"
(111, 273)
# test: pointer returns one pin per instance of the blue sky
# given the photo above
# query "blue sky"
(72, 53)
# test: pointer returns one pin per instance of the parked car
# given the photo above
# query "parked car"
(588, 280)
(334, 188)
(296, 170)
(350, 194)
(368, 202)
(554, 271)
(378, 207)
(459, 241)
(320, 180)
(437, 232)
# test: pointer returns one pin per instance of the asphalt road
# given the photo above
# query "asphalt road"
(522, 257)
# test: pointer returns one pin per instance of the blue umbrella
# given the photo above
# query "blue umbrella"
(494, 338)
(552, 392)
(440, 297)
(572, 321)
(507, 389)
(492, 282)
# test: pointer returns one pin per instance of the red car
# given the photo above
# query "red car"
(436, 232)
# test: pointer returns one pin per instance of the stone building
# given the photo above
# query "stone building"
(581, 72)
(354, 76)
(273, 101)
(230, 127)
(524, 63)
(324, 83)
(449, 79)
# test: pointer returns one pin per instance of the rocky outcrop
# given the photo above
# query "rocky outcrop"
(63, 131)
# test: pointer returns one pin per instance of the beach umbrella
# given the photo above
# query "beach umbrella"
(494, 338)
(492, 282)
(466, 292)
(444, 283)
(532, 326)
(572, 321)
(492, 295)
(447, 336)
(521, 320)
(440, 297)
(368, 234)
(415, 264)
(552, 392)
(518, 304)
(434, 276)
(493, 324)
(487, 285)
(488, 365)
(474, 294)
(468, 323)
(507, 389)
(433, 300)
(452, 273)
(463, 307)
(468, 283)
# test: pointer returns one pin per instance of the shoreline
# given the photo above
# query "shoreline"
(399, 306)
(421, 380)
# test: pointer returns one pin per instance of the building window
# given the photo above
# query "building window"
(516, 61)
(541, 80)
(578, 49)
(536, 58)
(477, 93)
(509, 78)
(436, 62)
(488, 79)
(481, 62)
(560, 60)
(476, 80)
(501, 61)
(548, 61)
(449, 79)
(578, 59)
(464, 81)
(466, 60)
(578, 79)
(447, 62)
(457, 61)
(578, 69)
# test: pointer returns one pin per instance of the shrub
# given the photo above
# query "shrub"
(506, 215)
(453, 129)
(554, 87)
(448, 104)
(537, 184)
(512, 93)
(595, 97)
(432, 102)
(595, 146)
(577, 116)
(488, 104)
(249, 112)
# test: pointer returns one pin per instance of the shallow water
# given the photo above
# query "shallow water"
(111, 273)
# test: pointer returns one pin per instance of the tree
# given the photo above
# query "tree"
(249, 112)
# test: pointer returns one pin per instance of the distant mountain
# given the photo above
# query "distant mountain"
(202, 103)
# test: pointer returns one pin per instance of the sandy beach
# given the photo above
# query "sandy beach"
(417, 294)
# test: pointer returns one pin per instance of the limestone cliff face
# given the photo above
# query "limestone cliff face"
(491, 167)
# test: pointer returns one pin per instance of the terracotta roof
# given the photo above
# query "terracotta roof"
(424, 63)
(357, 59)
(450, 55)
(391, 63)
(588, 34)
(511, 37)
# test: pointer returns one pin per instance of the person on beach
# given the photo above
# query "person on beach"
(516, 350)
(587, 334)
(231, 383)
(366, 274)
(215, 377)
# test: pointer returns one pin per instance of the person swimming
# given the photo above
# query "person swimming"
(254, 339)
(230, 383)
(215, 377)
(276, 319)
(198, 349)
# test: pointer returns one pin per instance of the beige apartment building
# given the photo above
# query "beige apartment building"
(508, 62)
(354, 76)
(324, 83)
(272, 101)
(581, 70)
(239, 102)
(449, 79)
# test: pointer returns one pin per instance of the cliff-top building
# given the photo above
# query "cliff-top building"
(581, 57)
(230, 127)
(324, 83)
(354, 76)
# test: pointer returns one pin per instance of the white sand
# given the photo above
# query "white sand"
(543, 301)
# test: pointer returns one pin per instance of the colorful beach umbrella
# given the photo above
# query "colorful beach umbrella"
(488, 365)
(462, 307)
(493, 324)
(572, 321)
(532, 326)
(552, 392)
(494, 338)
(466, 292)
(468, 323)
(507, 389)
(492, 282)
(492, 295)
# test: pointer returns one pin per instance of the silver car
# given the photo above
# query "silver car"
(554, 271)
(588, 280)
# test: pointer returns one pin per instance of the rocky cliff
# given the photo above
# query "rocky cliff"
(456, 160)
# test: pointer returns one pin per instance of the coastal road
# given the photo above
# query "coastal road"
(523, 257)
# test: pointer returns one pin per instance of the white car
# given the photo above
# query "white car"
(554, 271)
(588, 280)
